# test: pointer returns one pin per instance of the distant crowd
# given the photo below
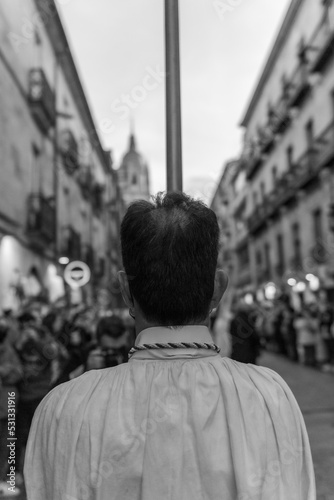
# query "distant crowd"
(305, 335)
(42, 349)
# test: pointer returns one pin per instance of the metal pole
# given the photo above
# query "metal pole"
(173, 97)
(55, 160)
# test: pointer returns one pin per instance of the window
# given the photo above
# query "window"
(243, 257)
(280, 252)
(289, 156)
(134, 179)
(317, 225)
(296, 243)
(309, 129)
(267, 260)
(36, 168)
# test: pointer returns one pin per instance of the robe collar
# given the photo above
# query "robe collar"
(164, 334)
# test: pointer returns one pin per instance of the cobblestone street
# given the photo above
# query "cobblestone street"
(314, 392)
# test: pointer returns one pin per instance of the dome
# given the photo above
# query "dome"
(133, 174)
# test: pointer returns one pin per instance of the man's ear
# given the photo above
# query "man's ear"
(221, 282)
(125, 289)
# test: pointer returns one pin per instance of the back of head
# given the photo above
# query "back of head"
(170, 250)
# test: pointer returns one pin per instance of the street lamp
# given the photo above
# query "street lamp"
(173, 97)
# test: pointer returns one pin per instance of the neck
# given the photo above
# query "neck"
(143, 324)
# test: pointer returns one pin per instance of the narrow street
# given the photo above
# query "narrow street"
(314, 392)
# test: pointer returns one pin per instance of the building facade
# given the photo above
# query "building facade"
(284, 218)
(58, 193)
(133, 175)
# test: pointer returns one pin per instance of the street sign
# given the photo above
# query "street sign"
(77, 274)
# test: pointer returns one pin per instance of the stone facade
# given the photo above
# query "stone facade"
(281, 215)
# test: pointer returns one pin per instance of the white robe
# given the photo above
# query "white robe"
(171, 425)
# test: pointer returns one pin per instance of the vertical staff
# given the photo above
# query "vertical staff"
(173, 97)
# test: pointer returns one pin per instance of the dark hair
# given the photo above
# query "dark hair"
(112, 326)
(170, 251)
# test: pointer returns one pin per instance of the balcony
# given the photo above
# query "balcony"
(71, 246)
(98, 198)
(324, 145)
(253, 162)
(280, 117)
(300, 86)
(266, 139)
(41, 100)
(321, 46)
(306, 169)
(85, 181)
(259, 217)
(41, 222)
(69, 151)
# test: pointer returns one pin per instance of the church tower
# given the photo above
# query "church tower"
(133, 175)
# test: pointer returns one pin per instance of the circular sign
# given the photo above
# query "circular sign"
(77, 274)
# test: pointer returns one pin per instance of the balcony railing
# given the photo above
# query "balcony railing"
(253, 162)
(69, 151)
(85, 181)
(303, 172)
(41, 218)
(321, 45)
(266, 139)
(280, 116)
(41, 99)
(71, 246)
(97, 198)
(299, 85)
(324, 144)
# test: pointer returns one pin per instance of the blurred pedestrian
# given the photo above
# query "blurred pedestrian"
(289, 332)
(326, 325)
(278, 315)
(77, 342)
(306, 327)
(112, 344)
(10, 375)
(37, 351)
(177, 421)
(244, 336)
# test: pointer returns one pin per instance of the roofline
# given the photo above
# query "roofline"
(278, 44)
(60, 44)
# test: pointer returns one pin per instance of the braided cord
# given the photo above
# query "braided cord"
(174, 345)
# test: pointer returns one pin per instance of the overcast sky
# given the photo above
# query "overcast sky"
(118, 46)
